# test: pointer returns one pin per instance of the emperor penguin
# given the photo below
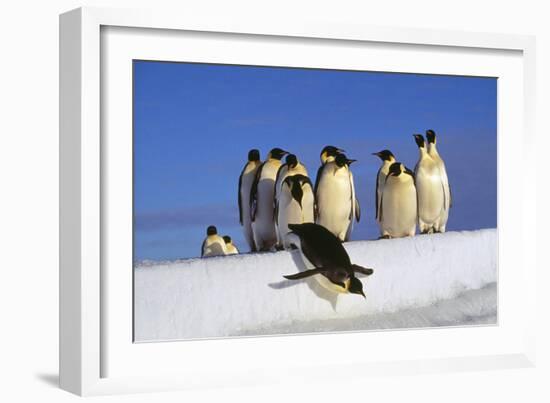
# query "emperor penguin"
(328, 153)
(294, 205)
(432, 151)
(213, 244)
(387, 159)
(326, 259)
(261, 201)
(230, 248)
(246, 179)
(398, 206)
(429, 189)
(336, 204)
(291, 167)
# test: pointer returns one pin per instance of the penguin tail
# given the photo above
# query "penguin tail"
(362, 270)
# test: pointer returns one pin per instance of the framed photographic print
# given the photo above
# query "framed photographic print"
(322, 184)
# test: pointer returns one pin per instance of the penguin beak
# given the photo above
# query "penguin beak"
(377, 154)
(351, 161)
(340, 150)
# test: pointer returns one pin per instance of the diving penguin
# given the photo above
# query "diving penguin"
(326, 259)
(230, 248)
(336, 204)
(429, 189)
(387, 159)
(398, 208)
(246, 179)
(213, 244)
(432, 151)
(261, 201)
(294, 205)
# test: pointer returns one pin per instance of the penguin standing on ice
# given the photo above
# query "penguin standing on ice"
(246, 179)
(213, 244)
(291, 167)
(261, 201)
(336, 204)
(441, 223)
(294, 205)
(387, 159)
(398, 206)
(230, 248)
(429, 188)
(326, 259)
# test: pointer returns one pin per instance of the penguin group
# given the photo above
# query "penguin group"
(405, 198)
(216, 245)
(275, 195)
(272, 195)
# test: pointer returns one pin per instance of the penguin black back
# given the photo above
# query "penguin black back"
(320, 246)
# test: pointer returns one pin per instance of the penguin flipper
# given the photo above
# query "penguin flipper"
(363, 270)
(357, 210)
(376, 201)
(304, 274)
(254, 193)
(239, 195)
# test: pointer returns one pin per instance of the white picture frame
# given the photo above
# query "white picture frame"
(96, 355)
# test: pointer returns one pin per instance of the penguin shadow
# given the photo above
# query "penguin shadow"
(312, 283)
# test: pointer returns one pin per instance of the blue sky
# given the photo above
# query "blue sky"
(194, 125)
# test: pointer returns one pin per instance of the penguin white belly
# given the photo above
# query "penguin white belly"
(399, 209)
(290, 212)
(334, 202)
(231, 250)
(246, 184)
(431, 197)
(263, 226)
(214, 245)
(329, 285)
(297, 170)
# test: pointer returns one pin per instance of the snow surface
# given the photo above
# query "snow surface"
(418, 281)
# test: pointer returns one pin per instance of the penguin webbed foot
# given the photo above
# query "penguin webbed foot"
(362, 270)
(384, 237)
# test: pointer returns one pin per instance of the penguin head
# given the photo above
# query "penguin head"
(419, 139)
(227, 239)
(341, 160)
(291, 160)
(329, 151)
(395, 169)
(253, 155)
(430, 136)
(385, 155)
(356, 286)
(277, 153)
(211, 230)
